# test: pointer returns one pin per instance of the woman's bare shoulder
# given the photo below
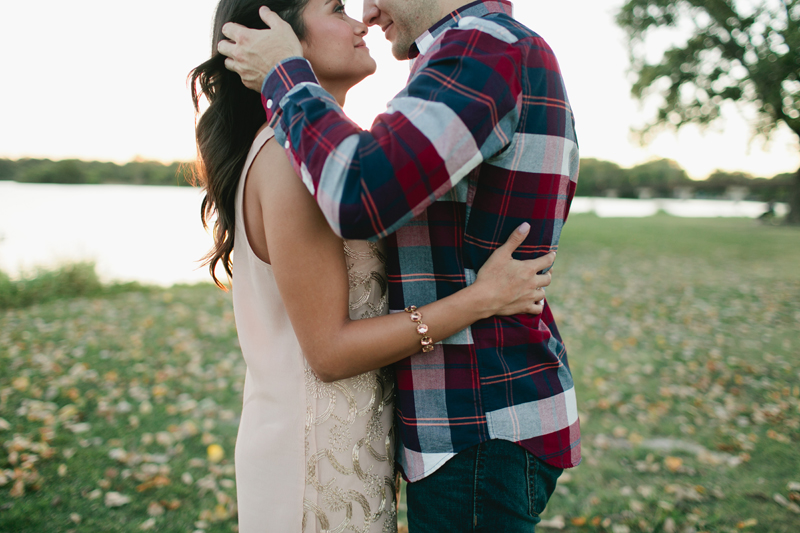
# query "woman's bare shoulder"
(274, 174)
(271, 157)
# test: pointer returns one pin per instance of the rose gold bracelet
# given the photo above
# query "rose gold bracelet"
(422, 329)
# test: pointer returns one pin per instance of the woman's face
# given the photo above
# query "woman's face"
(334, 44)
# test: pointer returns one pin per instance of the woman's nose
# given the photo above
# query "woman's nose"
(360, 28)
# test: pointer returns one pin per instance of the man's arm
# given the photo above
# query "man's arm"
(460, 108)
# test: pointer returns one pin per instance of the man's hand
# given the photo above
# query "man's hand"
(253, 53)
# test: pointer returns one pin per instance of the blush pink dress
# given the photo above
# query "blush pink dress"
(310, 456)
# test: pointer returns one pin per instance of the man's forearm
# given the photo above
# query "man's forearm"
(369, 183)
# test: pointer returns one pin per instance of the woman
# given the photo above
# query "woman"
(314, 450)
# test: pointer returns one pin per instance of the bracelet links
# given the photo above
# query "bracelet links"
(422, 329)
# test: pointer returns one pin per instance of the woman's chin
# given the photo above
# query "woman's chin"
(363, 75)
(370, 72)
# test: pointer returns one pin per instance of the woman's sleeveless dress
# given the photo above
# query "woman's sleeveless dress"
(310, 456)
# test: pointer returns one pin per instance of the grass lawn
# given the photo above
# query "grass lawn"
(683, 337)
(119, 412)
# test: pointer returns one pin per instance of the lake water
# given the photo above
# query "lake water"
(153, 234)
(147, 234)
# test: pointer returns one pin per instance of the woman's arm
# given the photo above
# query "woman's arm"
(309, 266)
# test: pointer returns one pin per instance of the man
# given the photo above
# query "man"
(481, 140)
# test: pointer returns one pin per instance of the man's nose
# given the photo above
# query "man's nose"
(371, 13)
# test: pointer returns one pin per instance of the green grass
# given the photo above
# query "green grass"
(45, 285)
(155, 375)
(682, 332)
(677, 329)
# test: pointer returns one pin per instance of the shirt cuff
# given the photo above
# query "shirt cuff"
(283, 78)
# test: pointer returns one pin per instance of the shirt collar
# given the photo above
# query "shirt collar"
(479, 8)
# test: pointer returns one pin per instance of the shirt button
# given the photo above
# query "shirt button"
(287, 145)
(269, 103)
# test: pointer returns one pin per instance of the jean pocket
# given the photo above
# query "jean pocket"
(542, 480)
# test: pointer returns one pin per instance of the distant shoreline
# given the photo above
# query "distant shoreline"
(661, 178)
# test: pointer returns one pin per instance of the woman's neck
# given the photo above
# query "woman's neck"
(337, 90)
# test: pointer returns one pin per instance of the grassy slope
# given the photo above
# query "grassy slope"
(155, 374)
(679, 329)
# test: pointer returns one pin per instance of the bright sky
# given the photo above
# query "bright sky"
(95, 79)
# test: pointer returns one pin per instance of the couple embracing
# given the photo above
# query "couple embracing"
(382, 317)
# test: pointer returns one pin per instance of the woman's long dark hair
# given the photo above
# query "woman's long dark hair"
(225, 131)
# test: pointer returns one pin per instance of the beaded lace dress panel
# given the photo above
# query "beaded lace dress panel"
(349, 431)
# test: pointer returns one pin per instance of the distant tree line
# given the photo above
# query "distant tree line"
(664, 178)
(722, 51)
(74, 171)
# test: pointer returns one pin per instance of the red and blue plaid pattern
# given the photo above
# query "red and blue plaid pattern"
(481, 140)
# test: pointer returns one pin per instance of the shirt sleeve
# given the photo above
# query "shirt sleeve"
(461, 106)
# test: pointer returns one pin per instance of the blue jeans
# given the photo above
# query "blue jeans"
(497, 486)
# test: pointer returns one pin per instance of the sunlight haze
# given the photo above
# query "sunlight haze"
(107, 81)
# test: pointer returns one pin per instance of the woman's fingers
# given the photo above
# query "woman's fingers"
(516, 286)
(539, 294)
(536, 308)
(516, 238)
(542, 263)
(543, 280)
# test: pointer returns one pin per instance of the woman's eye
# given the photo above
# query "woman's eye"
(338, 8)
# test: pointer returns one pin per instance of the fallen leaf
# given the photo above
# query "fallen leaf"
(154, 483)
(21, 383)
(782, 501)
(215, 453)
(673, 464)
(220, 512)
(115, 499)
(557, 522)
(18, 489)
(620, 432)
(171, 505)
(774, 435)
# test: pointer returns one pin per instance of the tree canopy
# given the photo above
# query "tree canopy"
(723, 50)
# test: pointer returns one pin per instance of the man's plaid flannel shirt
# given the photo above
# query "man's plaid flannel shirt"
(481, 140)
